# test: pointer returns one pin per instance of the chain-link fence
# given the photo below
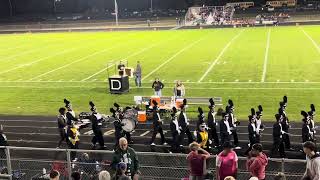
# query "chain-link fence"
(36, 164)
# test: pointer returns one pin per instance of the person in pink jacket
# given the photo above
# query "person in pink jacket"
(257, 162)
(226, 162)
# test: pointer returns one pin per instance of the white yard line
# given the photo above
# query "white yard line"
(38, 60)
(73, 62)
(185, 82)
(265, 64)
(11, 48)
(172, 57)
(313, 41)
(197, 88)
(97, 73)
(20, 54)
(131, 55)
(219, 56)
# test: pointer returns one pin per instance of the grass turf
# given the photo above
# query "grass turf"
(38, 70)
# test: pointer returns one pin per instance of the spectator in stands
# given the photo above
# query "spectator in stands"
(54, 175)
(279, 176)
(253, 178)
(229, 178)
(137, 74)
(313, 162)
(179, 90)
(157, 86)
(121, 172)
(257, 162)
(128, 156)
(75, 175)
(197, 161)
(104, 175)
(226, 162)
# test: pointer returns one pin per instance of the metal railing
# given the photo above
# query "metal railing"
(29, 163)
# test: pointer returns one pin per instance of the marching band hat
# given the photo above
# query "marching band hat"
(68, 103)
(93, 107)
(260, 110)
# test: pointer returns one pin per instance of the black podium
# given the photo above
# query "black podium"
(118, 84)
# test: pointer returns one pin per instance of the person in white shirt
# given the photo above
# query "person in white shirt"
(313, 162)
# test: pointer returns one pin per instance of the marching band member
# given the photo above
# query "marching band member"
(252, 130)
(175, 131)
(71, 115)
(96, 122)
(120, 112)
(73, 139)
(233, 123)
(203, 137)
(311, 114)
(200, 118)
(184, 123)
(259, 125)
(157, 125)
(225, 130)
(307, 134)
(285, 123)
(278, 143)
(62, 125)
(117, 127)
(212, 124)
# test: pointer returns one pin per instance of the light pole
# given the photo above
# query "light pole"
(151, 5)
(116, 11)
(10, 7)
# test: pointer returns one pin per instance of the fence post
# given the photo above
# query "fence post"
(8, 161)
(69, 163)
(282, 165)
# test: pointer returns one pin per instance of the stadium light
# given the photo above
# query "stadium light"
(54, 5)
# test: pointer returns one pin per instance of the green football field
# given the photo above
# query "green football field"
(251, 66)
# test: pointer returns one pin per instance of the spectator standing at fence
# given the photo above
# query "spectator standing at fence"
(76, 175)
(279, 176)
(197, 161)
(179, 90)
(121, 172)
(226, 162)
(157, 86)
(313, 162)
(257, 162)
(104, 175)
(128, 156)
(54, 175)
(137, 74)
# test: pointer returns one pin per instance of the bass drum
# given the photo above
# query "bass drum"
(130, 120)
(128, 125)
(131, 114)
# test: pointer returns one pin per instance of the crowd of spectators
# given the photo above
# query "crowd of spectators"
(210, 15)
(257, 161)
